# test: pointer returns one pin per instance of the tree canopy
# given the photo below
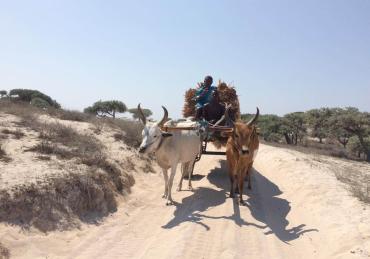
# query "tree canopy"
(318, 121)
(341, 125)
(3, 93)
(27, 95)
(106, 108)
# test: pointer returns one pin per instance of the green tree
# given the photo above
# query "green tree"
(356, 147)
(270, 127)
(41, 103)
(294, 128)
(336, 129)
(135, 113)
(318, 122)
(26, 95)
(106, 108)
(358, 124)
(3, 93)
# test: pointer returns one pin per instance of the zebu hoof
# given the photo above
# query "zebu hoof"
(164, 196)
(178, 189)
(231, 195)
(169, 203)
(191, 188)
(242, 203)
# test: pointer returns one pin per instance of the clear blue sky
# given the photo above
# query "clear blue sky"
(282, 55)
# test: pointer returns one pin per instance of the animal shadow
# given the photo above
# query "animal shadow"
(264, 204)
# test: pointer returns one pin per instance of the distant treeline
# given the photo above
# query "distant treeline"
(347, 127)
(100, 108)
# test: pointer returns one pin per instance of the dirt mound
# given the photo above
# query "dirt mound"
(57, 173)
(62, 202)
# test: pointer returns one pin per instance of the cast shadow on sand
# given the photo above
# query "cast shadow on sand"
(262, 202)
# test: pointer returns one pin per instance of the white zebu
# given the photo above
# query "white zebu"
(179, 146)
(188, 167)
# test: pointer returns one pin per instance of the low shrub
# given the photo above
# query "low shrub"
(4, 252)
(18, 134)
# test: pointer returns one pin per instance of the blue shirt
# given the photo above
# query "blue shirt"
(205, 95)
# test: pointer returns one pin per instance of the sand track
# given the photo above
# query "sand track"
(296, 209)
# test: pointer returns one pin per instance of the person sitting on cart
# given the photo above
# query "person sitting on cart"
(203, 95)
(214, 110)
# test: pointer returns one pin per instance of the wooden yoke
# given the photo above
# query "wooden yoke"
(210, 129)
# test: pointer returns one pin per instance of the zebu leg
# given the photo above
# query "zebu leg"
(165, 176)
(183, 172)
(232, 183)
(190, 172)
(241, 186)
(170, 183)
(249, 172)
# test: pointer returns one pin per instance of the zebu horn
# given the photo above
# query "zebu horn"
(229, 121)
(141, 115)
(254, 119)
(165, 117)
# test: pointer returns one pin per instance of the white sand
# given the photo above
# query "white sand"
(297, 209)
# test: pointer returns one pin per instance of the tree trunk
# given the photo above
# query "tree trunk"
(296, 139)
(287, 139)
(320, 140)
(366, 150)
(343, 141)
(114, 114)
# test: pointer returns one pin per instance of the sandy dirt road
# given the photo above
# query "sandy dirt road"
(297, 209)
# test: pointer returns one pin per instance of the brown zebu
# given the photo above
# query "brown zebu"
(241, 150)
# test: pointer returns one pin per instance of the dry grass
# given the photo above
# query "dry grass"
(18, 134)
(3, 155)
(43, 158)
(98, 126)
(49, 148)
(60, 203)
(316, 148)
(4, 252)
(19, 108)
(358, 182)
(28, 113)
(130, 131)
(71, 115)
(119, 136)
(23, 109)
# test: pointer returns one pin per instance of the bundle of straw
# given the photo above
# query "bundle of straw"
(189, 106)
(227, 95)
